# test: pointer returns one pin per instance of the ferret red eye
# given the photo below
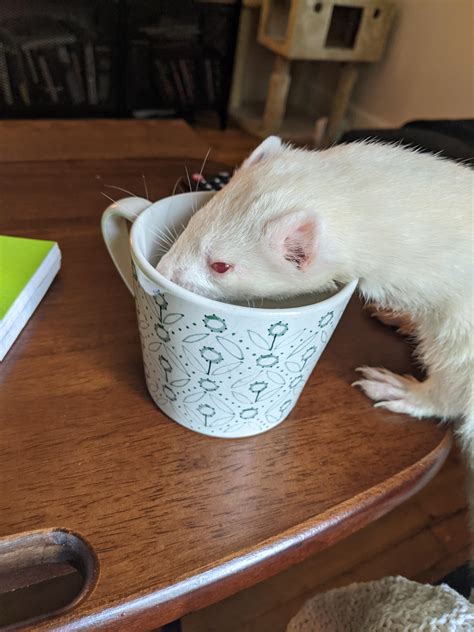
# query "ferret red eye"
(220, 267)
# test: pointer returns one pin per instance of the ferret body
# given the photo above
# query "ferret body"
(292, 221)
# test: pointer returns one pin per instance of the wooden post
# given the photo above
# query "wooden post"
(241, 56)
(277, 95)
(340, 102)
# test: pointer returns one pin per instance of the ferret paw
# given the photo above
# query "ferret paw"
(397, 393)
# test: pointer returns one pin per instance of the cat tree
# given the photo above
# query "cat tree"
(349, 31)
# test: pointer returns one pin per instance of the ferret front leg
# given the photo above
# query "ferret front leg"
(398, 393)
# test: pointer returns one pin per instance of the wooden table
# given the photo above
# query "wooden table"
(176, 520)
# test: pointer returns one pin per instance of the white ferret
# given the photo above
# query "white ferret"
(292, 221)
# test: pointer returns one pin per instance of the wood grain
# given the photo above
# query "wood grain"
(97, 139)
(33, 558)
(423, 539)
(177, 520)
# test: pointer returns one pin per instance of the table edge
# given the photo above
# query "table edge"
(212, 583)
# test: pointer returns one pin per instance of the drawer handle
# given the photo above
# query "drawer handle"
(43, 573)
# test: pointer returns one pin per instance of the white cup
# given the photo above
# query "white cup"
(216, 368)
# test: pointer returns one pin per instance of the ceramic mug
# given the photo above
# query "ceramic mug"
(216, 368)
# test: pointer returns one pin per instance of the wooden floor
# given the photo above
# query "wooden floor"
(424, 539)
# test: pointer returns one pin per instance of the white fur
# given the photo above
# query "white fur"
(398, 219)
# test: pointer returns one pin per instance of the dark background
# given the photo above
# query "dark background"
(146, 58)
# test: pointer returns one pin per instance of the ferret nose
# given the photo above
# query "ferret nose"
(170, 271)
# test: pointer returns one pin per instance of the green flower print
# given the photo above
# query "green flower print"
(160, 300)
(267, 360)
(326, 319)
(276, 330)
(169, 393)
(211, 356)
(165, 365)
(257, 388)
(214, 323)
(285, 405)
(208, 385)
(206, 411)
(248, 413)
(161, 332)
(309, 353)
(295, 381)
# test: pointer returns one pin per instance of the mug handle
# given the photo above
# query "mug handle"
(115, 233)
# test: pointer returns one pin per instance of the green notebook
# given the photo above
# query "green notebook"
(27, 268)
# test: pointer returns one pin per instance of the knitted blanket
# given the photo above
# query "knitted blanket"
(391, 604)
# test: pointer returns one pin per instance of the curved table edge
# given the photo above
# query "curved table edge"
(213, 583)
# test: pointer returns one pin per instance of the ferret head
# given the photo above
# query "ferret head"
(260, 236)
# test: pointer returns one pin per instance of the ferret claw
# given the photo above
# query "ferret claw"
(397, 393)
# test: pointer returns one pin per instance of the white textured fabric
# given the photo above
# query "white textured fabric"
(392, 604)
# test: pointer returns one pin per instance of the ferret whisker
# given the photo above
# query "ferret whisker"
(164, 241)
(165, 245)
(160, 230)
(146, 187)
(175, 232)
(156, 240)
(168, 241)
(114, 201)
(112, 186)
(202, 168)
(167, 231)
(190, 187)
(176, 185)
(165, 238)
(162, 249)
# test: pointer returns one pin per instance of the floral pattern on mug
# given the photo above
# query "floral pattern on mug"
(218, 377)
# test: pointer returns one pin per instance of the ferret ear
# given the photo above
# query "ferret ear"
(294, 236)
(269, 147)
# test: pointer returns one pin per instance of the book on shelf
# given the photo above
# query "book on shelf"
(183, 101)
(209, 83)
(27, 269)
(187, 79)
(104, 71)
(31, 43)
(166, 87)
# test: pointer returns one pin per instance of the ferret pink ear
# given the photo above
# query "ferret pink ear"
(269, 147)
(294, 236)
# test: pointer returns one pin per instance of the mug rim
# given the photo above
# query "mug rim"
(153, 275)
